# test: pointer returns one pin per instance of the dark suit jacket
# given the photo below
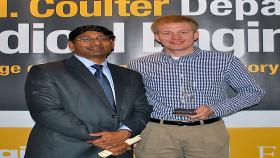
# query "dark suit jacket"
(67, 104)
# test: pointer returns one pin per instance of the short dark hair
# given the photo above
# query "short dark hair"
(81, 29)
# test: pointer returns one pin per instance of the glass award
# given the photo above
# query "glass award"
(187, 99)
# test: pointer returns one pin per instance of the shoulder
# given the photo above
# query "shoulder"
(122, 70)
(147, 58)
(48, 68)
(145, 61)
(217, 55)
(50, 65)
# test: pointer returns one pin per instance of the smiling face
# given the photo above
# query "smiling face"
(92, 45)
(177, 38)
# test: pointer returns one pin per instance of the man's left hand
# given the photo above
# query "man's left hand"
(202, 113)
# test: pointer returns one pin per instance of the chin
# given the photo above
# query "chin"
(177, 49)
(99, 55)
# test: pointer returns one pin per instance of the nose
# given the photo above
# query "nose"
(176, 36)
(95, 42)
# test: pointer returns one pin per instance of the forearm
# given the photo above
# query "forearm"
(140, 115)
(64, 123)
(237, 103)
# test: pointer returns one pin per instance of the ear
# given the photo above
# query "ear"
(196, 35)
(113, 43)
(157, 38)
(71, 46)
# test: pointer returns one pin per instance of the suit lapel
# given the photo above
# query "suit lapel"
(80, 71)
(118, 84)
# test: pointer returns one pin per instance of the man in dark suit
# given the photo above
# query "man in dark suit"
(76, 114)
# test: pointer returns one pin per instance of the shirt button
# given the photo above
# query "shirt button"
(114, 116)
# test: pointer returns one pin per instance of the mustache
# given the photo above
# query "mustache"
(95, 48)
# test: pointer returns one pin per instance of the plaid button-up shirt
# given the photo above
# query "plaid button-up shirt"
(200, 78)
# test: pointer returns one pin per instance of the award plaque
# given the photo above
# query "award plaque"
(181, 111)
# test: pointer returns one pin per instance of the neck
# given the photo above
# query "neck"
(98, 60)
(180, 53)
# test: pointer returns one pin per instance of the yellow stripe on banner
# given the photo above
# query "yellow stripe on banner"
(245, 142)
(254, 142)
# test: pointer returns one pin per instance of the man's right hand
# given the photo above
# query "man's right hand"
(109, 140)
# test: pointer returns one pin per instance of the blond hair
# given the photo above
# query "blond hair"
(173, 19)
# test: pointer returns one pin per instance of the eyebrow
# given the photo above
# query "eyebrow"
(178, 30)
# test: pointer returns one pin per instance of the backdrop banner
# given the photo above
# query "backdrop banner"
(35, 32)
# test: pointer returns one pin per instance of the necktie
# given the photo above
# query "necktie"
(104, 83)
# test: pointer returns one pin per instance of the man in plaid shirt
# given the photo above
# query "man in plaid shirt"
(182, 79)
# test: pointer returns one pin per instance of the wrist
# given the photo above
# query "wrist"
(125, 133)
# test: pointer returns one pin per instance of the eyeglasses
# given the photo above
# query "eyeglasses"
(89, 39)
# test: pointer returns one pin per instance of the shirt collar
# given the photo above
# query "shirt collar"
(89, 63)
(190, 56)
